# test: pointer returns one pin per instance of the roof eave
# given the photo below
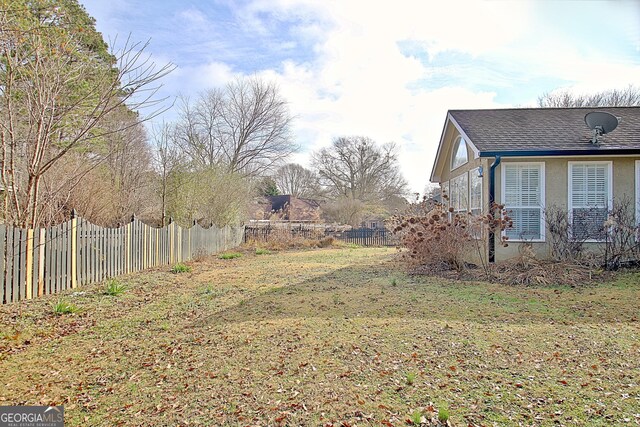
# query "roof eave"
(559, 153)
(476, 152)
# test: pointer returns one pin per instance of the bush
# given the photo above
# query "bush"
(440, 238)
(276, 238)
(619, 232)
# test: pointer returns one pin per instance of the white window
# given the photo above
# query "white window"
(523, 196)
(460, 155)
(590, 199)
(475, 192)
(459, 192)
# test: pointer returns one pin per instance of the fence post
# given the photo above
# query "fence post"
(170, 242)
(127, 249)
(29, 265)
(74, 249)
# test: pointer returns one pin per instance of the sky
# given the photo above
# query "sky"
(388, 70)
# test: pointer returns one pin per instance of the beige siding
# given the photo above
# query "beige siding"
(556, 190)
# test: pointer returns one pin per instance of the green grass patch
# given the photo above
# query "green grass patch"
(114, 287)
(263, 251)
(180, 268)
(443, 415)
(64, 307)
(230, 255)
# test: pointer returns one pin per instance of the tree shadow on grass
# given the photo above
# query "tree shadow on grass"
(383, 291)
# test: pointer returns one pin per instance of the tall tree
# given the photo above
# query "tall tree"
(357, 168)
(170, 166)
(296, 180)
(58, 84)
(119, 169)
(244, 127)
(359, 176)
(628, 97)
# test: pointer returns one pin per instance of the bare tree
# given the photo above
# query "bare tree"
(119, 170)
(243, 127)
(628, 97)
(297, 181)
(359, 175)
(128, 165)
(54, 98)
(357, 168)
(170, 164)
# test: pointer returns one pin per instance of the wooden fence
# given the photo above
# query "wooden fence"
(49, 260)
(359, 236)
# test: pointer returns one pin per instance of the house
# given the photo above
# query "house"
(532, 159)
(373, 221)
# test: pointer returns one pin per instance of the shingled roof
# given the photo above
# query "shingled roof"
(551, 131)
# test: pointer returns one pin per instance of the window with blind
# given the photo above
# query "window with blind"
(523, 198)
(459, 188)
(590, 195)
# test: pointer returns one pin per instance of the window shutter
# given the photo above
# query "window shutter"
(523, 200)
(589, 202)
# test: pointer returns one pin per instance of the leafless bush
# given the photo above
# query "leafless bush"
(563, 246)
(200, 254)
(619, 235)
(285, 238)
(440, 238)
(621, 247)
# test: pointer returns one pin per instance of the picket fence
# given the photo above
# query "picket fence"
(43, 261)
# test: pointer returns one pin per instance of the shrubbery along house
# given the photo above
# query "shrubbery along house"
(532, 160)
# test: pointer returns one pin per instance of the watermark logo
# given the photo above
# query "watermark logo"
(31, 416)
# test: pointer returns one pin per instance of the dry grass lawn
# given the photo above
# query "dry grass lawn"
(327, 337)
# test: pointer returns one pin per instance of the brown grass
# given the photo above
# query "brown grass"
(327, 337)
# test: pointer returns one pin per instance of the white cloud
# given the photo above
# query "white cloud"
(193, 17)
(361, 83)
(354, 78)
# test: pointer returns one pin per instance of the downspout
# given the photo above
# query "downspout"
(492, 199)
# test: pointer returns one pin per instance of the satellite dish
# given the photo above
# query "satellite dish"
(600, 123)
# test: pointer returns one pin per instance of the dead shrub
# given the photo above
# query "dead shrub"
(199, 254)
(436, 237)
(327, 242)
(619, 235)
(285, 238)
(531, 271)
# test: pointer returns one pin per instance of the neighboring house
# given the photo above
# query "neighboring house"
(288, 208)
(373, 222)
(534, 159)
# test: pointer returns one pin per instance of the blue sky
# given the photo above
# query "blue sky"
(387, 70)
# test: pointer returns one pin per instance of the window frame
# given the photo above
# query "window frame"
(543, 201)
(459, 193)
(475, 174)
(570, 165)
(456, 147)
